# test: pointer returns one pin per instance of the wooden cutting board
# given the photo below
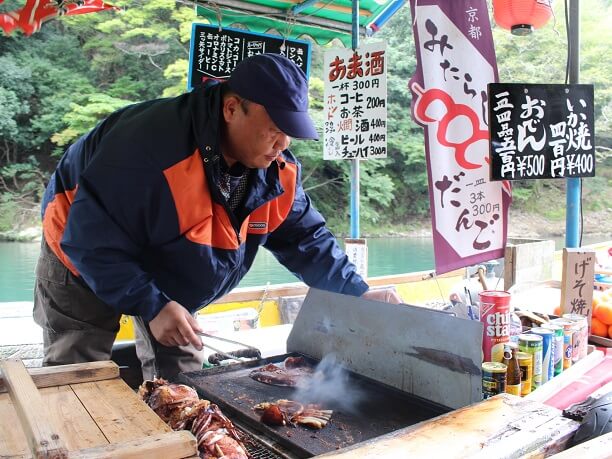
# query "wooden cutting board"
(80, 411)
(504, 426)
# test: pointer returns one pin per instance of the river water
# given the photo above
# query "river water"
(385, 256)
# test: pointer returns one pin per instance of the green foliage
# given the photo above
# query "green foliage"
(61, 81)
(81, 118)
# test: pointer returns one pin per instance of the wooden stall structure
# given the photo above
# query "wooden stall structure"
(81, 411)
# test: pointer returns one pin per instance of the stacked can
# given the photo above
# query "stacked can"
(526, 365)
(548, 368)
(495, 316)
(557, 347)
(493, 379)
(568, 333)
(532, 344)
(581, 337)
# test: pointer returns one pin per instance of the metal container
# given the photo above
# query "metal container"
(526, 365)
(493, 379)
(581, 337)
(532, 344)
(495, 317)
(569, 328)
(557, 347)
(548, 368)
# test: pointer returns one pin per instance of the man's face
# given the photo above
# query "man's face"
(252, 138)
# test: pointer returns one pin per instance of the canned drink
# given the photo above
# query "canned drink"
(495, 316)
(581, 337)
(548, 368)
(532, 344)
(526, 366)
(568, 333)
(557, 347)
(493, 379)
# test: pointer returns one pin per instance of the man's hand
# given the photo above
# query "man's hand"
(174, 326)
(387, 295)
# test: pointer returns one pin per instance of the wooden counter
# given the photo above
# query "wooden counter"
(80, 411)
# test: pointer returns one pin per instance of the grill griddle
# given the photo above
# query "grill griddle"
(381, 409)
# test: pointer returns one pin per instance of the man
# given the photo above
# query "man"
(161, 208)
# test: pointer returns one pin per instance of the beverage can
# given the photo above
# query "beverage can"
(532, 344)
(548, 368)
(581, 337)
(495, 316)
(557, 347)
(526, 366)
(568, 334)
(493, 379)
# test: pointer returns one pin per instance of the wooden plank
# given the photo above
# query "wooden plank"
(13, 441)
(169, 445)
(70, 374)
(502, 424)
(41, 435)
(117, 410)
(75, 425)
(597, 448)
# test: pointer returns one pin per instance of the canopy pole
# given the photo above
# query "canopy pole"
(573, 192)
(355, 161)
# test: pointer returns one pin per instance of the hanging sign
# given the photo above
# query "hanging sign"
(355, 103)
(455, 62)
(215, 51)
(541, 131)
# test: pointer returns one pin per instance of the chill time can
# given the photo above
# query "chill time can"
(557, 347)
(568, 334)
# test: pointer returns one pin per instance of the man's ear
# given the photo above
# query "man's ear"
(231, 106)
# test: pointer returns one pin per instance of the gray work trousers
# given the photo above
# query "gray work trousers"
(79, 327)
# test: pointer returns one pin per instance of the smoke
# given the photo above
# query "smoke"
(330, 386)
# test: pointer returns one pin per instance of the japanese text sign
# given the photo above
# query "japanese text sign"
(216, 52)
(577, 282)
(357, 252)
(541, 131)
(355, 103)
(455, 62)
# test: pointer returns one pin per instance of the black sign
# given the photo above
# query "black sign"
(216, 52)
(541, 131)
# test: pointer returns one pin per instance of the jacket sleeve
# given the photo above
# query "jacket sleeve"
(305, 246)
(107, 228)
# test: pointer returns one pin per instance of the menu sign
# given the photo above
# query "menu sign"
(215, 52)
(355, 103)
(541, 131)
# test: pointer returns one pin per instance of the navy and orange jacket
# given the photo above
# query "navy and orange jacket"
(134, 211)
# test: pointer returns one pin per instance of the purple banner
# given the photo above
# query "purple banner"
(455, 62)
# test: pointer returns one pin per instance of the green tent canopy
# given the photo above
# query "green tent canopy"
(320, 20)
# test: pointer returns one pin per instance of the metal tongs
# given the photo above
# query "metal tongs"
(246, 351)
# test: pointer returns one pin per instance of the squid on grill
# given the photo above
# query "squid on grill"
(283, 412)
(180, 407)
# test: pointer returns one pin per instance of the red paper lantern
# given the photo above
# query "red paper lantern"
(521, 16)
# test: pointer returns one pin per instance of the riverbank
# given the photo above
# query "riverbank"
(520, 225)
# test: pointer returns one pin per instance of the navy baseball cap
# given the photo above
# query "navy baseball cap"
(281, 87)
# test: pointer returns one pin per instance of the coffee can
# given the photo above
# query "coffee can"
(526, 366)
(548, 368)
(557, 347)
(581, 337)
(493, 379)
(495, 316)
(532, 344)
